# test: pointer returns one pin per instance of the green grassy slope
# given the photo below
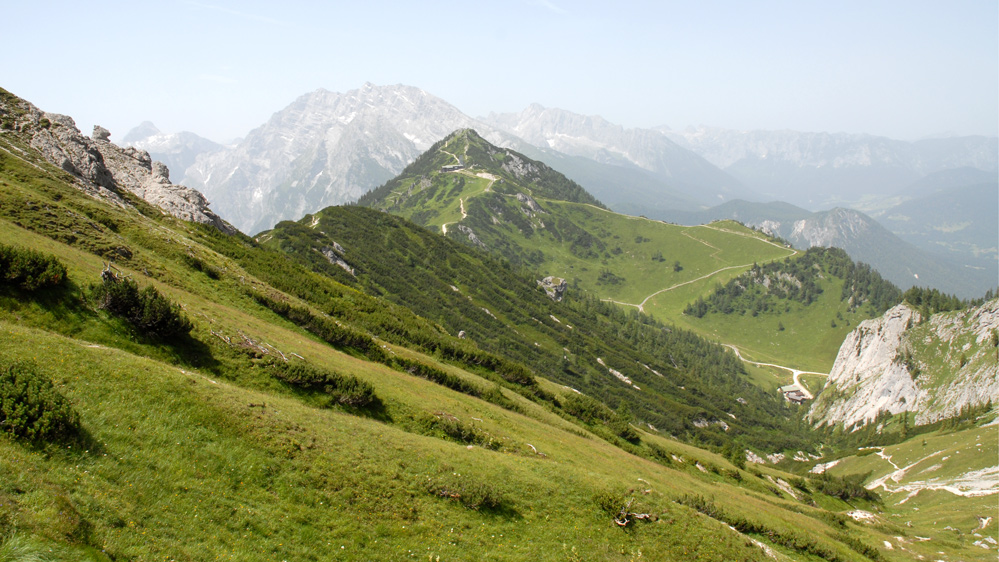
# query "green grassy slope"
(937, 485)
(507, 204)
(196, 448)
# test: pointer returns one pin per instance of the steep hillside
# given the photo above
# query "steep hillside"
(286, 416)
(668, 378)
(906, 362)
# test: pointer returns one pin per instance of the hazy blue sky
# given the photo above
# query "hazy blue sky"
(904, 69)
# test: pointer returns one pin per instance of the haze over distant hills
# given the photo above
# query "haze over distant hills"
(821, 170)
(595, 138)
(864, 239)
(330, 148)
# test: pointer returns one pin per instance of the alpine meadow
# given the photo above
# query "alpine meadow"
(467, 357)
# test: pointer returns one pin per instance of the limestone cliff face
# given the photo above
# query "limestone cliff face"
(900, 363)
(103, 169)
(867, 378)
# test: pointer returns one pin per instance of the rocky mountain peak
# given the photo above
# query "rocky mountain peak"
(143, 130)
(326, 148)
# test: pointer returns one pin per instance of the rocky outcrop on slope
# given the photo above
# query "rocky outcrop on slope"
(902, 362)
(554, 287)
(867, 378)
(106, 170)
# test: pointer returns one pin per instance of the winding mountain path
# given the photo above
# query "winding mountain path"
(641, 306)
(795, 373)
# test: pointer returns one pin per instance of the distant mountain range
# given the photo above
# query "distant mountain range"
(326, 148)
(592, 137)
(822, 170)
(330, 148)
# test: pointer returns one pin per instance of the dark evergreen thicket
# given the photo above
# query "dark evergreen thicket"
(766, 288)
(931, 301)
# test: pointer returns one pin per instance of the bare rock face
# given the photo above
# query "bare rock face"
(901, 363)
(531, 204)
(554, 287)
(333, 255)
(472, 237)
(62, 144)
(866, 377)
(106, 170)
(134, 170)
(101, 134)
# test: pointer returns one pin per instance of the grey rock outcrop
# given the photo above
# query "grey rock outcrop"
(554, 287)
(472, 237)
(333, 255)
(531, 204)
(904, 363)
(107, 171)
(867, 378)
(179, 151)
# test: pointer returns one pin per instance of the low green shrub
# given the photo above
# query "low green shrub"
(467, 490)
(586, 409)
(149, 312)
(30, 406)
(28, 269)
(436, 375)
(326, 328)
(446, 426)
(344, 390)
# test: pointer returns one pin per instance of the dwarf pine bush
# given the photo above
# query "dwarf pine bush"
(28, 269)
(344, 390)
(31, 407)
(146, 310)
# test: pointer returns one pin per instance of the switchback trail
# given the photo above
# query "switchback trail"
(795, 373)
